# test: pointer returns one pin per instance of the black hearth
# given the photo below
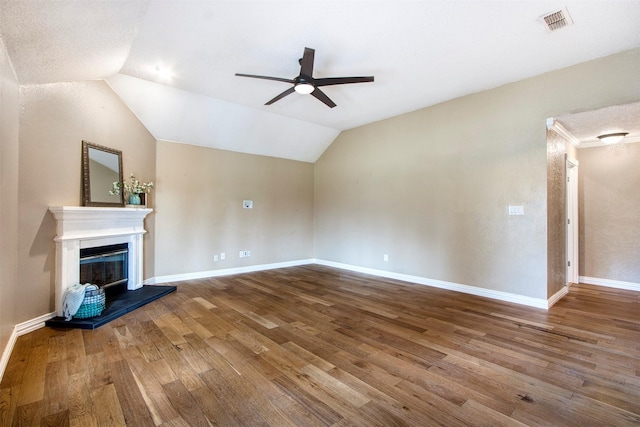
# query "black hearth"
(107, 267)
(118, 306)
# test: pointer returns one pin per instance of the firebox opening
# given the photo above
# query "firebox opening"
(106, 266)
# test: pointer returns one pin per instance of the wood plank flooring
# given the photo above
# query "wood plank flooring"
(316, 346)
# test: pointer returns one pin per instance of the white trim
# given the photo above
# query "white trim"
(473, 290)
(572, 229)
(554, 125)
(557, 296)
(33, 324)
(225, 272)
(6, 354)
(19, 330)
(618, 284)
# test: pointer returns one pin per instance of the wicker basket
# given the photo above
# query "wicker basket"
(92, 305)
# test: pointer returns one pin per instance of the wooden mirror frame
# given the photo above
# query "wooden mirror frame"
(94, 200)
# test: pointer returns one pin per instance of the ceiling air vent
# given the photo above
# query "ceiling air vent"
(558, 19)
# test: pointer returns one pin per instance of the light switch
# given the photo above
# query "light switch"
(516, 210)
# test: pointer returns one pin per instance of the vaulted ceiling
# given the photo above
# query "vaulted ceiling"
(174, 62)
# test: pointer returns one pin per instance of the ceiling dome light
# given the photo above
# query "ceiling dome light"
(163, 73)
(304, 88)
(612, 138)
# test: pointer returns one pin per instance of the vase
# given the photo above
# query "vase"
(134, 199)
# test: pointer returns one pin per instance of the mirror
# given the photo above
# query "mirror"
(101, 167)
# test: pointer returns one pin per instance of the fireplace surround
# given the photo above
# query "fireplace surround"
(79, 227)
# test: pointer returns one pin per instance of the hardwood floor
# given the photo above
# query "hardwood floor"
(315, 346)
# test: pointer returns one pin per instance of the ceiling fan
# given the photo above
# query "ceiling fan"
(306, 84)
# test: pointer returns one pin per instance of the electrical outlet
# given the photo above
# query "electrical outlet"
(222, 255)
(248, 253)
(241, 254)
(215, 258)
(247, 204)
(385, 257)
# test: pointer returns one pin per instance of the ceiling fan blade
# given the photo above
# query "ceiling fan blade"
(341, 80)
(324, 98)
(282, 95)
(278, 79)
(306, 62)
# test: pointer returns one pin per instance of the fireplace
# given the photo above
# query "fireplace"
(85, 232)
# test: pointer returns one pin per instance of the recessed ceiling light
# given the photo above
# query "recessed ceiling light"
(163, 73)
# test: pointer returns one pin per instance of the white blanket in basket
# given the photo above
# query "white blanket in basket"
(73, 298)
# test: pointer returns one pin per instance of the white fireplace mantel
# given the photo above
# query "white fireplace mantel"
(79, 227)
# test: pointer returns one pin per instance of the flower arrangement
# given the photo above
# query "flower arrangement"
(133, 187)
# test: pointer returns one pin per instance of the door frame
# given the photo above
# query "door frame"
(573, 248)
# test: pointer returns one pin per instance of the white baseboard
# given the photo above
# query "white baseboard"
(18, 330)
(473, 290)
(6, 354)
(618, 284)
(558, 295)
(225, 272)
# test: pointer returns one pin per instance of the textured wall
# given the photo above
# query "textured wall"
(609, 212)
(9, 108)
(431, 188)
(54, 120)
(556, 212)
(199, 209)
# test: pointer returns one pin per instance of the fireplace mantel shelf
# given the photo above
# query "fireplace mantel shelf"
(80, 222)
(79, 227)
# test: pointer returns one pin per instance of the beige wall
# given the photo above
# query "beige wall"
(609, 212)
(54, 120)
(199, 211)
(9, 110)
(431, 188)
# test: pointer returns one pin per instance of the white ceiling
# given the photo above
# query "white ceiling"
(420, 52)
(585, 127)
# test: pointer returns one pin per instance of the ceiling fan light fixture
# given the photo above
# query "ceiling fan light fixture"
(304, 88)
(612, 138)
